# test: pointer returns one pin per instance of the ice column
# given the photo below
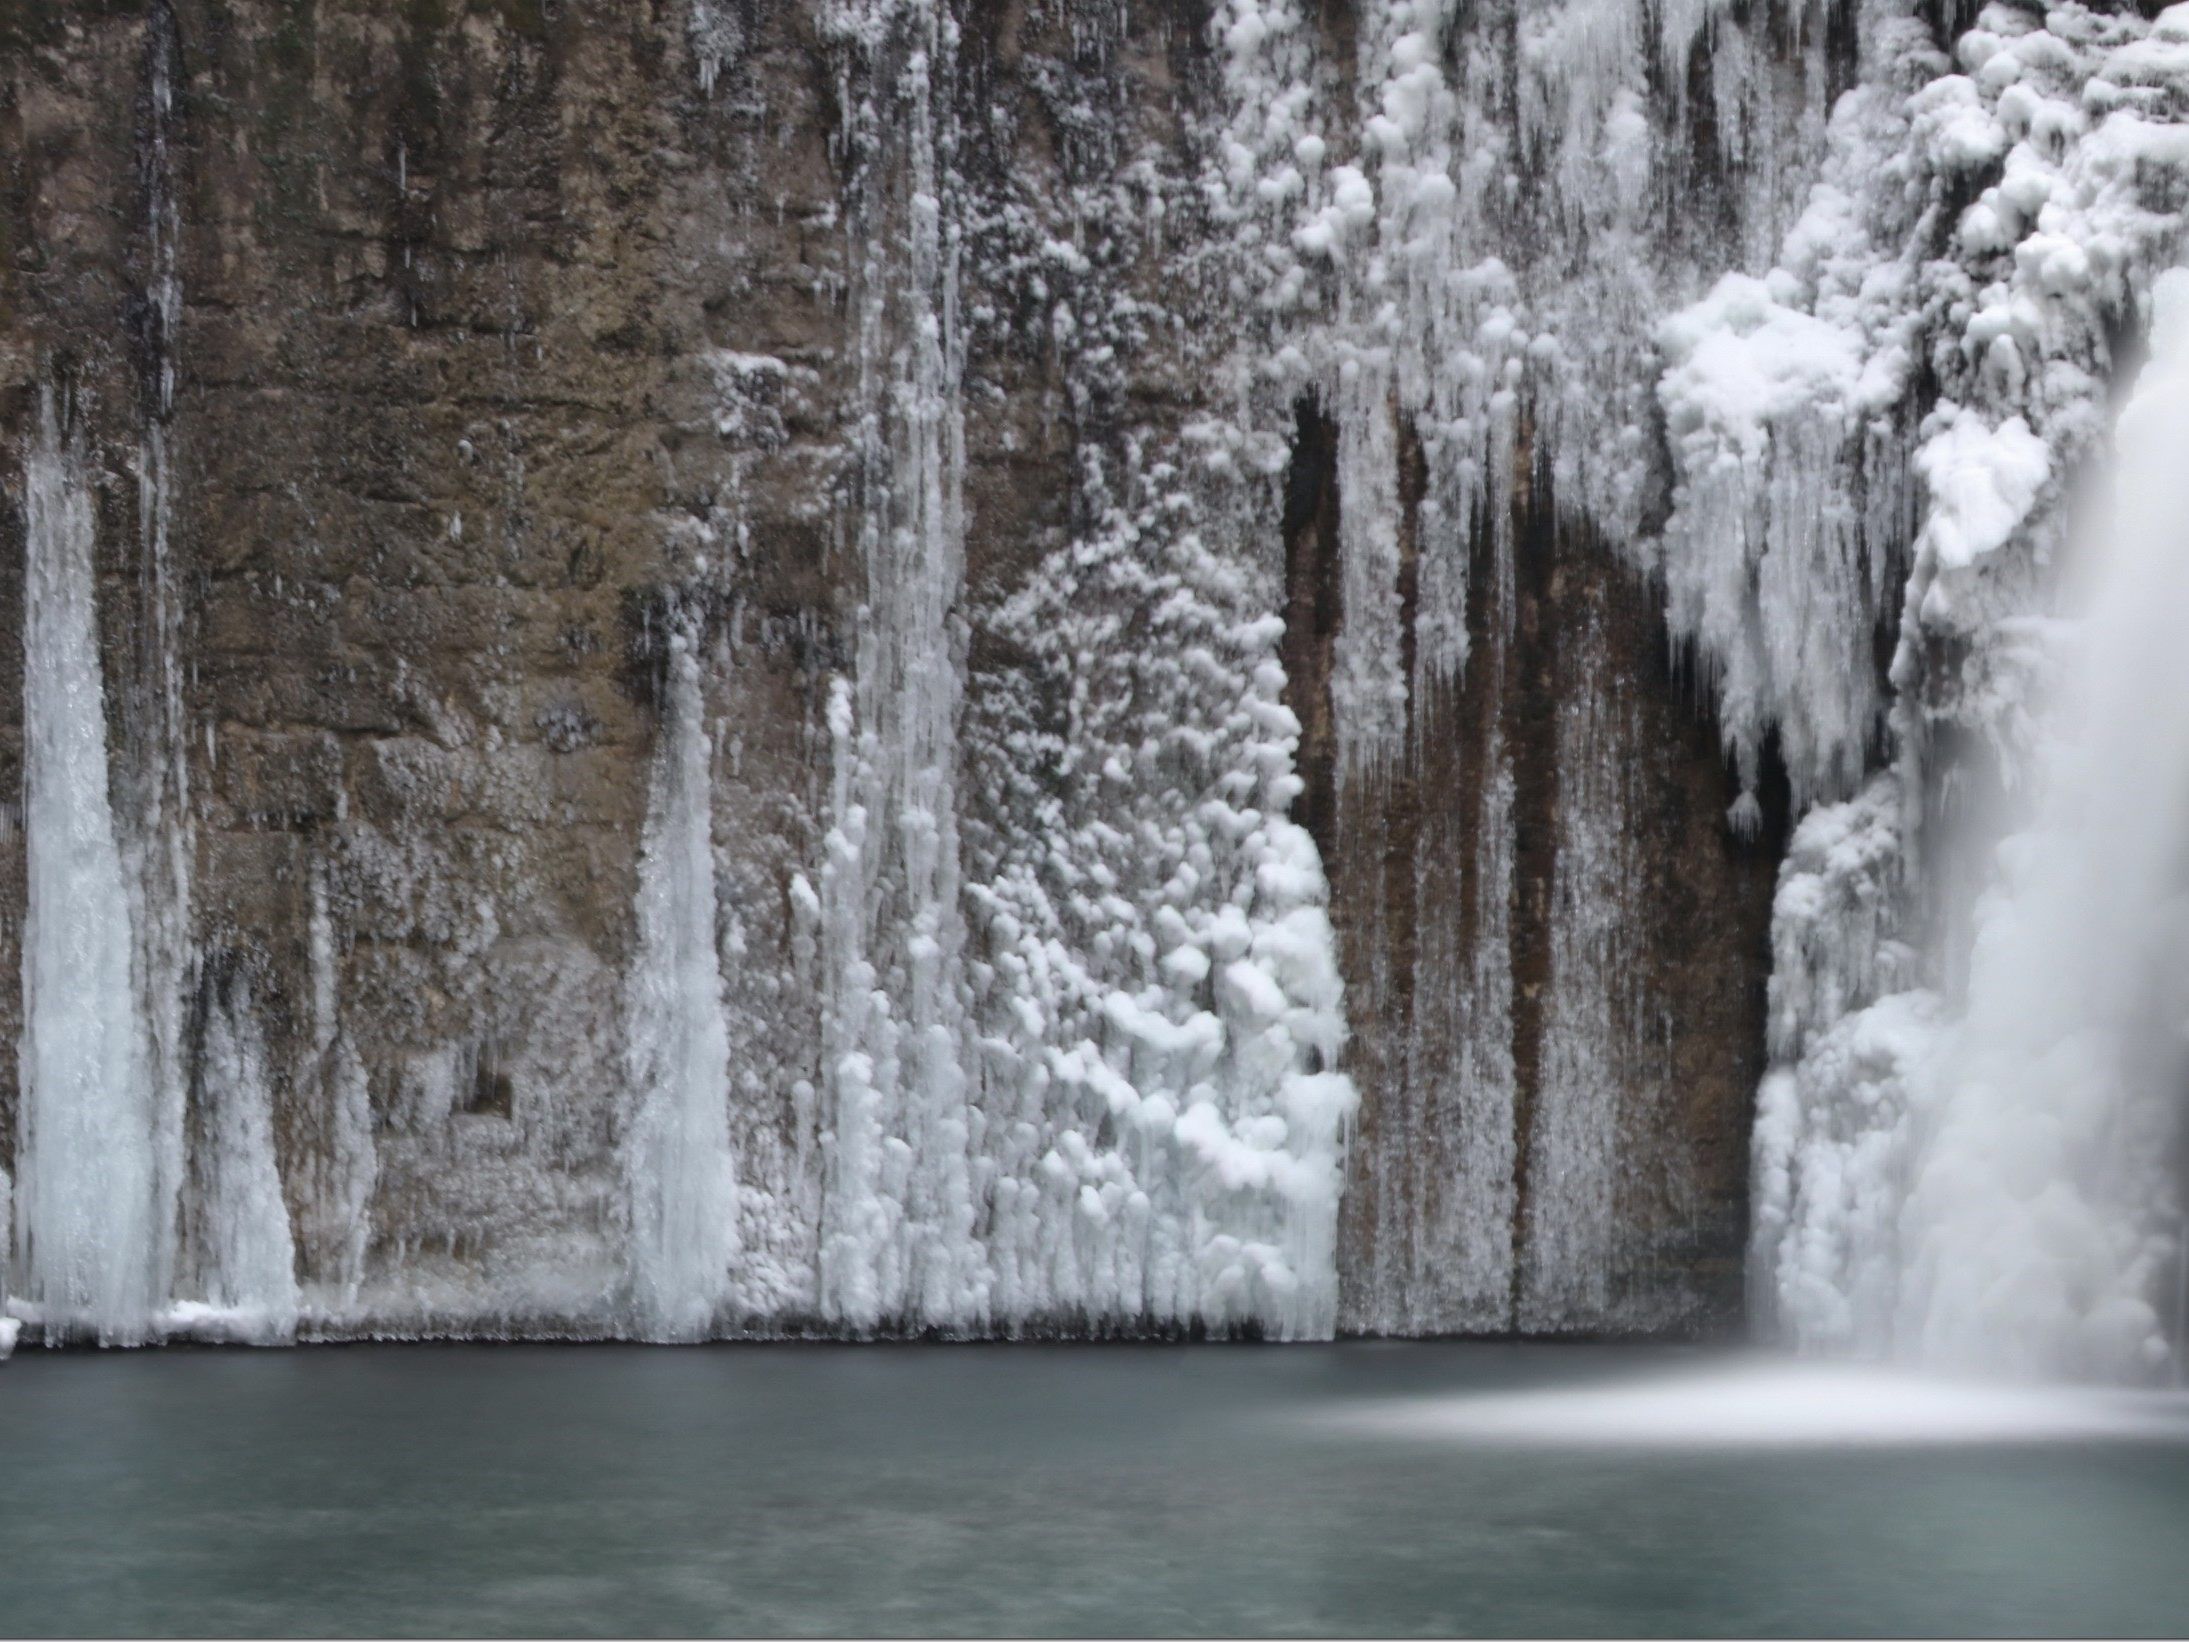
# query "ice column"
(680, 1174)
(897, 1213)
(157, 832)
(246, 1255)
(93, 1205)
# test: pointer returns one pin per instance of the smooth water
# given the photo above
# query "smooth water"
(1078, 1489)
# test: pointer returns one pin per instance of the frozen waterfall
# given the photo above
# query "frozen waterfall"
(1997, 1186)
(245, 1252)
(1071, 682)
(2040, 1214)
(897, 1237)
(681, 1178)
(90, 1208)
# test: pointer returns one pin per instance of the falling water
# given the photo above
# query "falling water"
(2037, 1228)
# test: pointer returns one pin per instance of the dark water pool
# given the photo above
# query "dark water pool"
(1031, 1489)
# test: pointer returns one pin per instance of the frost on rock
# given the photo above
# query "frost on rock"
(1081, 1018)
(717, 35)
(152, 791)
(1029, 1016)
(1460, 245)
(1809, 514)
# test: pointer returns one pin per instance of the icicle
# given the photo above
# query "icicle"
(717, 39)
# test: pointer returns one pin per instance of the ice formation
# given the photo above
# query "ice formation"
(681, 1176)
(92, 1201)
(1802, 317)
(897, 1236)
(1083, 1076)
(243, 1256)
(334, 1226)
(1963, 1158)
(1986, 1182)
(153, 808)
(1477, 251)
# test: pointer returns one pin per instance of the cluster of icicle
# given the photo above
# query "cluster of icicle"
(1079, 1013)
(1078, 1076)
(1463, 240)
(148, 1201)
(1077, 1072)
(128, 1224)
(1963, 1155)
(1871, 422)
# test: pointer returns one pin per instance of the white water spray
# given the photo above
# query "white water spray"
(2037, 1228)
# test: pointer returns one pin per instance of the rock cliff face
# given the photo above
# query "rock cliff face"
(947, 584)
